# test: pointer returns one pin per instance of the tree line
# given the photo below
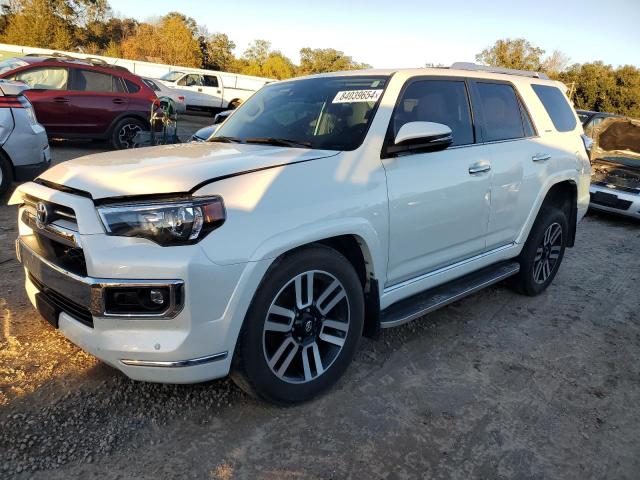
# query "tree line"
(592, 85)
(90, 26)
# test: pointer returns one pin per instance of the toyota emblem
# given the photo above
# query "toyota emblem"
(42, 214)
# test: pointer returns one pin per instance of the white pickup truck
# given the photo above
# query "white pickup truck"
(213, 91)
(324, 208)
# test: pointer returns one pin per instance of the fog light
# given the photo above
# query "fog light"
(136, 300)
(157, 296)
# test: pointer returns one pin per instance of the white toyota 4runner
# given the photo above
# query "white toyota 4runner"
(324, 208)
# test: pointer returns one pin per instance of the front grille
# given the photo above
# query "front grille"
(78, 312)
(60, 212)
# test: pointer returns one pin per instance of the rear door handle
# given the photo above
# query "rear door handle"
(541, 157)
(61, 100)
(118, 101)
(479, 167)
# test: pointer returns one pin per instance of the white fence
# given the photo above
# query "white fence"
(147, 69)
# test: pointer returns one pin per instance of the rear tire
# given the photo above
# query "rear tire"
(293, 345)
(543, 251)
(6, 175)
(125, 131)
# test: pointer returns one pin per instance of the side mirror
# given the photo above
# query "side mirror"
(421, 137)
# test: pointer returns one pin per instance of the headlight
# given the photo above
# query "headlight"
(166, 223)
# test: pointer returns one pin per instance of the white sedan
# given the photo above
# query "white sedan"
(175, 94)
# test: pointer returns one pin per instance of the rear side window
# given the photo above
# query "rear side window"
(90, 81)
(151, 84)
(439, 101)
(210, 81)
(132, 87)
(556, 105)
(53, 78)
(502, 112)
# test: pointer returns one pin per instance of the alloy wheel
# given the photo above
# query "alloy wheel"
(127, 134)
(306, 327)
(547, 253)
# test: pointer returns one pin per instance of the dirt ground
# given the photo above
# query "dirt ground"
(494, 386)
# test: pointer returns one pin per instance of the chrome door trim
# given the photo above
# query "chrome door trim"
(452, 266)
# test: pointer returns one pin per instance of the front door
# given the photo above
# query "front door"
(439, 202)
(48, 95)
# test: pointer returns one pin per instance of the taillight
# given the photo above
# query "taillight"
(181, 98)
(9, 101)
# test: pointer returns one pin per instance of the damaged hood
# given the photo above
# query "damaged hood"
(170, 168)
(615, 155)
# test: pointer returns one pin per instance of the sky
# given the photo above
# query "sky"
(411, 33)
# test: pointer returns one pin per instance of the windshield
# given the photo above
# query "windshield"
(11, 64)
(331, 113)
(171, 76)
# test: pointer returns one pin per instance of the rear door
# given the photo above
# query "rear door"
(96, 99)
(518, 161)
(48, 95)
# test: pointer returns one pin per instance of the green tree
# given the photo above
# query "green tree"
(278, 66)
(600, 87)
(217, 52)
(515, 53)
(37, 23)
(320, 60)
(172, 40)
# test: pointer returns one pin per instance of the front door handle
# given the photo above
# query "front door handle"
(61, 100)
(541, 157)
(118, 101)
(479, 167)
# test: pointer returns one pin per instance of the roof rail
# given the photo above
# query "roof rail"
(507, 71)
(96, 62)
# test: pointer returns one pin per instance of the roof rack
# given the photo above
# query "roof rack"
(474, 67)
(96, 62)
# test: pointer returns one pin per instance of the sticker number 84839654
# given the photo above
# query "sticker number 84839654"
(351, 96)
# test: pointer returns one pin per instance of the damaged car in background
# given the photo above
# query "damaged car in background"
(615, 160)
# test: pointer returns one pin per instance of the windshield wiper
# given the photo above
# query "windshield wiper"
(282, 142)
(225, 139)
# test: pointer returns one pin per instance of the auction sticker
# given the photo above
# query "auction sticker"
(352, 96)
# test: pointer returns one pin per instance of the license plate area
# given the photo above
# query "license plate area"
(606, 199)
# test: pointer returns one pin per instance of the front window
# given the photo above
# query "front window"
(171, 76)
(11, 64)
(45, 78)
(331, 113)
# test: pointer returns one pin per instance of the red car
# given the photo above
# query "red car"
(78, 98)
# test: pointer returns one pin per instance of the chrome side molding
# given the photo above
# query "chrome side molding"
(176, 363)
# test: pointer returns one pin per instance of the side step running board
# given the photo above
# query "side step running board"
(418, 305)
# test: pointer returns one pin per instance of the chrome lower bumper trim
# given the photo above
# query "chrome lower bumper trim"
(177, 363)
(89, 292)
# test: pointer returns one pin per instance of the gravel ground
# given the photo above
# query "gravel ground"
(494, 386)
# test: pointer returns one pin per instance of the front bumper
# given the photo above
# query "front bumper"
(125, 347)
(615, 201)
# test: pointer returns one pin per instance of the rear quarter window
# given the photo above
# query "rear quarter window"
(556, 105)
(131, 86)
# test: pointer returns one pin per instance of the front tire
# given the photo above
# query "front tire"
(543, 252)
(302, 328)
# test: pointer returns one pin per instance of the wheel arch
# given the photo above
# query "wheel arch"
(122, 116)
(561, 192)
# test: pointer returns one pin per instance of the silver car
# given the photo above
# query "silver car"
(615, 167)
(24, 148)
